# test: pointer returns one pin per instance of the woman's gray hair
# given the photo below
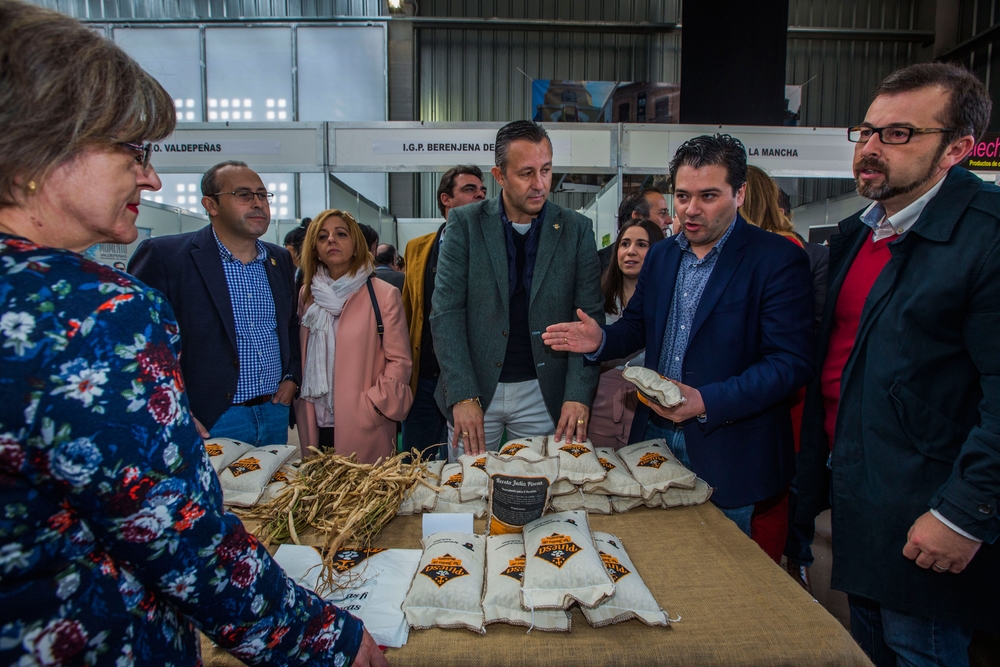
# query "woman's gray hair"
(64, 88)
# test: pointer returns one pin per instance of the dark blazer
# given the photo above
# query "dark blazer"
(391, 276)
(749, 351)
(604, 256)
(188, 270)
(819, 265)
(918, 425)
(471, 304)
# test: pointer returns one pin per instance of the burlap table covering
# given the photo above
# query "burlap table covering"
(736, 607)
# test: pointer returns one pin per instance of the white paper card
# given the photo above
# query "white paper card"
(302, 564)
(446, 522)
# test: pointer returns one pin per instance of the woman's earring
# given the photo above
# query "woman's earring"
(32, 186)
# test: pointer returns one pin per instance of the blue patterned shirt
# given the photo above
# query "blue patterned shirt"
(692, 276)
(115, 548)
(256, 324)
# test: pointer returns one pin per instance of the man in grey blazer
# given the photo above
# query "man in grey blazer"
(508, 268)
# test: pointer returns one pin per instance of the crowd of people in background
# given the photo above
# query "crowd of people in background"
(862, 375)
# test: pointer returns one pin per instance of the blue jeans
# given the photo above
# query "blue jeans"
(674, 435)
(260, 425)
(424, 429)
(892, 638)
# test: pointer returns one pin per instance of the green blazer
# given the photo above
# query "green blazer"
(470, 313)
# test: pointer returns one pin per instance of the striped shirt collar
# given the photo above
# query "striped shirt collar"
(229, 257)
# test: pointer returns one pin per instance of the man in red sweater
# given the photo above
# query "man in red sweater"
(906, 410)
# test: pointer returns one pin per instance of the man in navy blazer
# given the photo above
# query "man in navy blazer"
(725, 310)
(234, 297)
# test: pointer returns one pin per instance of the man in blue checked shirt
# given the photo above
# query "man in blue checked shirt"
(234, 297)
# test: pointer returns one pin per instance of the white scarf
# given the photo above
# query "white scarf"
(329, 297)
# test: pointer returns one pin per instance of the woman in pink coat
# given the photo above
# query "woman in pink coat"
(355, 383)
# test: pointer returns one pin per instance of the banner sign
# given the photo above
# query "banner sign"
(985, 155)
(419, 148)
(812, 152)
(278, 147)
(117, 255)
(219, 146)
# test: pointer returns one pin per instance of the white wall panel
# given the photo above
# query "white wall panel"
(342, 73)
(173, 57)
(249, 71)
(180, 190)
(312, 194)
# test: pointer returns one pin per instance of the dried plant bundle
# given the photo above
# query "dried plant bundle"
(344, 502)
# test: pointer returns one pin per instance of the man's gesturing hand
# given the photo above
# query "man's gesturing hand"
(693, 405)
(584, 336)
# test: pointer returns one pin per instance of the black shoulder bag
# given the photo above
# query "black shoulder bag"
(378, 313)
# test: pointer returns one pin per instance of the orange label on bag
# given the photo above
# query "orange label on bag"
(279, 476)
(652, 460)
(455, 480)
(512, 448)
(249, 464)
(576, 450)
(443, 569)
(213, 449)
(607, 465)
(615, 569)
(515, 568)
(480, 463)
(557, 549)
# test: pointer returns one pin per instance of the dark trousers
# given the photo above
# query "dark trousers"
(425, 428)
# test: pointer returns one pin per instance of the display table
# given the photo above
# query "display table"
(736, 607)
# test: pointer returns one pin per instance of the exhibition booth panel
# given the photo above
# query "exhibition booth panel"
(345, 164)
(800, 152)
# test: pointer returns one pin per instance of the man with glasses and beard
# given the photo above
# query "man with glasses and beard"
(906, 409)
(234, 297)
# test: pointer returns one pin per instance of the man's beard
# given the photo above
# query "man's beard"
(887, 191)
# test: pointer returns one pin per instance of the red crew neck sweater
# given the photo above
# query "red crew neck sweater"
(865, 269)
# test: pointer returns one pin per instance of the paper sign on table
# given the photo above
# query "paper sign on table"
(447, 522)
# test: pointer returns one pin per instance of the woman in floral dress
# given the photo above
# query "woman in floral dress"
(114, 544)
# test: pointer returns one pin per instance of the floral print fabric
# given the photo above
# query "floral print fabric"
(114, 544)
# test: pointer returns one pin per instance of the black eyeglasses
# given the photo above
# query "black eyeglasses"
(142, 152)
(890, 135)
(246, 196)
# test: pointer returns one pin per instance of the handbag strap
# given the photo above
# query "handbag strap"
(378, 313)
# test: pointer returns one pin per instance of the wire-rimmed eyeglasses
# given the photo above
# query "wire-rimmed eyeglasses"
(142, 152)
(247, 196)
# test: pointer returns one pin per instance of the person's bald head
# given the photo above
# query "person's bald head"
(386, 255)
